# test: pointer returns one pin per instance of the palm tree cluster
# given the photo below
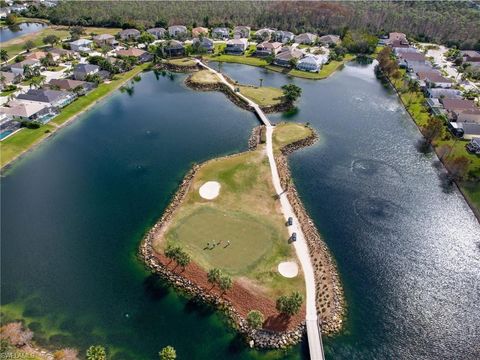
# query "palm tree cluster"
(216, 277)
(177, 254)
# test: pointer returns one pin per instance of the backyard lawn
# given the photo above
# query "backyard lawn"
(21, 141)
(240, 59)
(244, 220)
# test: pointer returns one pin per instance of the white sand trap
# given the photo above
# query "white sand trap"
(209, 190)
(288, 269)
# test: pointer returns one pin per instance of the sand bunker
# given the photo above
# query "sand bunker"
(209, 190)
(288, 269)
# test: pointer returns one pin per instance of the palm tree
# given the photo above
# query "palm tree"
(225, 283)
(96, 352)
(3, 55)
(213, 276)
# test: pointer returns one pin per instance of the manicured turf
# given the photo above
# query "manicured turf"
(245, 213)
(182, 62)
(263, 96)
(21, 141)
(286, 133)
(239, 59)
(204, 77)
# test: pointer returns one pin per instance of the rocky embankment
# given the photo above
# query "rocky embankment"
(329, 291)
(256, 137)
(256, 338)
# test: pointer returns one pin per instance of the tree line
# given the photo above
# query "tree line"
(438, 21)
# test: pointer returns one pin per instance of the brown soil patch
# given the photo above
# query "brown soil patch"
(241, 298)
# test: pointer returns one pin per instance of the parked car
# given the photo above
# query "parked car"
(290, 221)
(293, 237)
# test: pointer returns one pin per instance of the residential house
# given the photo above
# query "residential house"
(236, 46)
(268, 48)
(81, 71)
(306, 38)
(264, 34)
(283, 36)
(8, 78)
(105, 40)
(158, 32)
(18, 8)
(54, 98)
(220, 33)
(397, 37)
(18, 68)
(174, 48)
(81, 45)
(241, 32)
(474, 146)
(286, 56)
(141, 55)
(443, 93)
(62, 53)
(329, 40)
(434, 79)
(397, 44)
(71, 85)
(27, 110)
(312, 63)
(452, 105)
(36, 55)
(129, 34)
(8, 125)
(467, 116)
(199, 31)
(411, 58)
(204, 44)
(435, 106)
(4, 12)
(177, 30)
(470, 56)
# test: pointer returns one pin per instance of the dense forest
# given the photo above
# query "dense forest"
(439, 21)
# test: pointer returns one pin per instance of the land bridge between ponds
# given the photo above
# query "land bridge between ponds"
(314, 333)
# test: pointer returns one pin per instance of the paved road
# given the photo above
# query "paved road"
(314, 336)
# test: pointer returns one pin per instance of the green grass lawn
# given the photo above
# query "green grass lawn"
(204, 77)
(182, 62)
(9, 92)
(103, 89)
(239, 59)
(263, 96)
(287, 132)
(21, 141)
(56, 68)
(245, 213)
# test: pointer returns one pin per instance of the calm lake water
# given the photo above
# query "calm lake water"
(74, 211)
(8, 33)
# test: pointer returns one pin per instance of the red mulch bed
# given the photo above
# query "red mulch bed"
(242, 299)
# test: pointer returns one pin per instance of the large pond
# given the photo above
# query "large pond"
(11, 32)
(74, 211)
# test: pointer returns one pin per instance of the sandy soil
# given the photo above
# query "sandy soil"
(288, 269)
(209, 190)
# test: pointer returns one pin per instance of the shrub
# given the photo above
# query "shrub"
(255, 319)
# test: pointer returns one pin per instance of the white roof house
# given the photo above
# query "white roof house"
(81, 45)
(311, 63)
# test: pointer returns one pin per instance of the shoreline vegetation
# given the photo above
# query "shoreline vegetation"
(13, 148)
(329, 293)
(326, 71)
(444, 147)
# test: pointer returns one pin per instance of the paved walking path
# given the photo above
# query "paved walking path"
(314, 335)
